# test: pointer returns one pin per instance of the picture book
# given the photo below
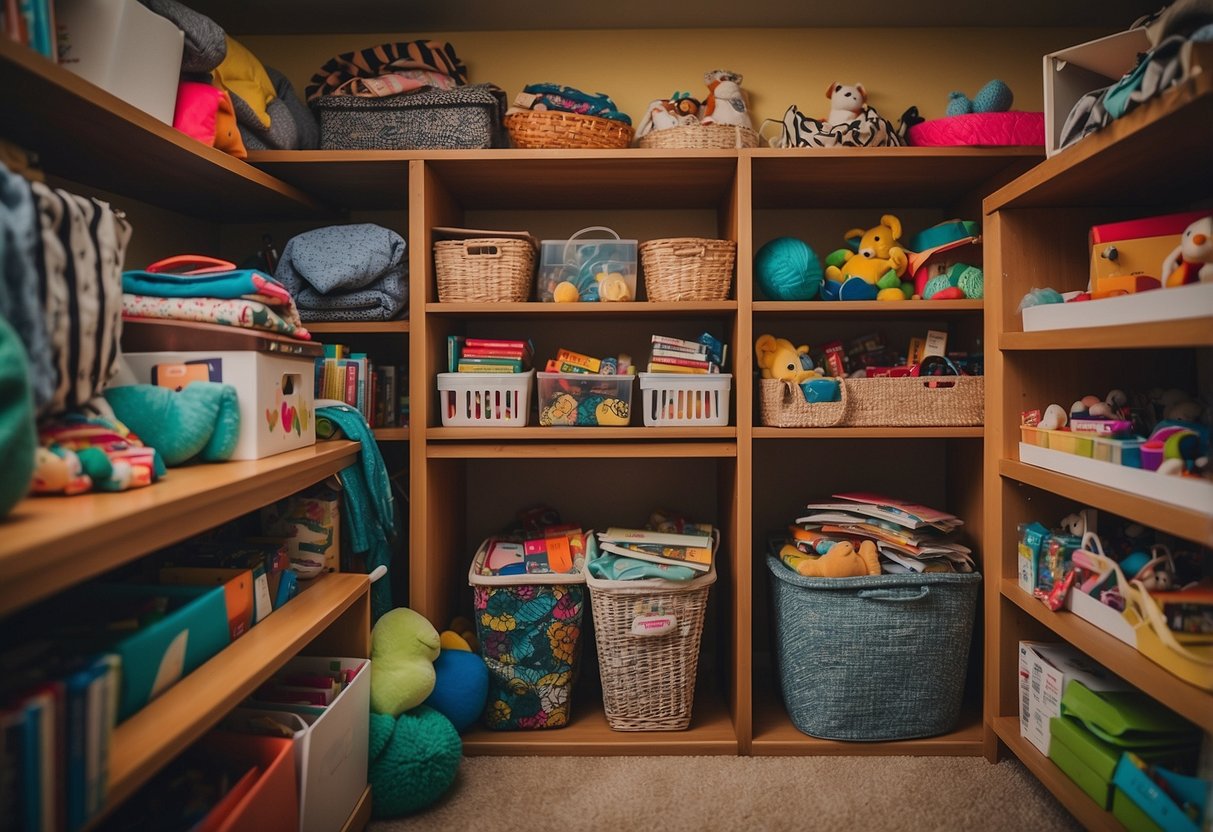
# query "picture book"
(698, 558)
(616, 534)
(899, 510)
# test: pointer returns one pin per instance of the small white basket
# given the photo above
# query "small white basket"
(485, 400)
(684, 400)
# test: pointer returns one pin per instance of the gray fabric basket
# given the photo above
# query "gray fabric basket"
(465, 118)
(875, 658)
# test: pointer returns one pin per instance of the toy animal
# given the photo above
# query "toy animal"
(874, 269)
(403, 648)
(726, 102)
(1192, 260)
(846, 103)
(842, 561)
(779, 358)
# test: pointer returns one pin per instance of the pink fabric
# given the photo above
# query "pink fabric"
(194, 115)
(981, 129)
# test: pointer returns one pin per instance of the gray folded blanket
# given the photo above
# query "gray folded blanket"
(346, 273)
(205, 46)
(292, 124)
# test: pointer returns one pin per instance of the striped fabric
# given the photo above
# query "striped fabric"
(79, 259)
(386, 59)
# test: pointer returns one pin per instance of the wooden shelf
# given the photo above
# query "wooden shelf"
(578, 446)
(362, 179)
(50, 543)
(361, 815)
(85, 134)
(869, 433)
(171, 722)
(359, 327)
(588, 734)
(391, 434)
(905, 309)
(775, 735)
(1125, 661)
(1182, 522)
(1157, 154)
(641, 309)
(1189, 332)
(861, 177)
(1067, 792)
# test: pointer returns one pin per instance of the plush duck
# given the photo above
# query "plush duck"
(726, 102)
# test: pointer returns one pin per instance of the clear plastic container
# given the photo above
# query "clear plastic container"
(584, 399)
(593, 269)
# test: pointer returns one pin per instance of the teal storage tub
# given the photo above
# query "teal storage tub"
(877, 658)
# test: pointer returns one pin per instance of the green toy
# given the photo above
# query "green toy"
(200, 421)
(413, 759)
(18, 438)
(403, 648)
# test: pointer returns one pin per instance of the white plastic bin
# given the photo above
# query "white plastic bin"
(485, 400)
(684, 400)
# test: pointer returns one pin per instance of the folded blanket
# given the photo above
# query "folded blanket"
(335, 76)
(381, 301)
(228, 284)
(201, 421)
(292, 124)
(346, 272)
(250, 314)
(205, 45)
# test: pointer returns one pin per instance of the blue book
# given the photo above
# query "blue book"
(77, 740)
(288, 586)
(31, 800)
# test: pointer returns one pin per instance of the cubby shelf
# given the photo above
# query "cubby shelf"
(588, 310)
(391, 434)
(1188, 332)
(361, 327)
(859, 309)
(581, 447)
(869, 433)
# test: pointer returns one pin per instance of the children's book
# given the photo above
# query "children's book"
(698, 558)
(904, 512)
(616, 534)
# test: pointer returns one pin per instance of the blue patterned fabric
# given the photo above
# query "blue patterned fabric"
(19, 303)
(346, 272)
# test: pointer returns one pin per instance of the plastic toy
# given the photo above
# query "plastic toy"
(779, 358)
(413, 760)
(403, 648)
(726, 102)
(842, 561)
(1192, 260)
(873, 270)
(994, 97)
(846, 102)
(786, 268)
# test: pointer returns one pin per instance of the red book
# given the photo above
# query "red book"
(351, 385)
(494, 352)
(665, 358)
(492, 344)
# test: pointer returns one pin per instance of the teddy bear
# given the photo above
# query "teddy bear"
(874, 269)
(778, 358)
(846, 103)
(1192, 260)
(841, 561)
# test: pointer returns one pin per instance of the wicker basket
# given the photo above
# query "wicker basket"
(483, 270)
(648, 681)
(687, 268)
(701, 137)
(929, 401)
(558, 129)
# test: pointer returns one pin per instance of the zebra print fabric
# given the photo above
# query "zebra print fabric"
(385, 60)
(869, 130)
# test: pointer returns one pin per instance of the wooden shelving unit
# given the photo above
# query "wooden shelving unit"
(584, 310)
(359, 327)
(1036, 229)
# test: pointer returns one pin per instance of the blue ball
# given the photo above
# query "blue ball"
(787, 269)
(461, 686)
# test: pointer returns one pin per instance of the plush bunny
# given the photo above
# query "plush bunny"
(846, 103)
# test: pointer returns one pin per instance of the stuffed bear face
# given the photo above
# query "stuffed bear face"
(778, 358)
(877, 242)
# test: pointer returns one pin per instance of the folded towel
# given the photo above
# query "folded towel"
(227, 284)
(205, 45)
(250, 314)
(201, 421)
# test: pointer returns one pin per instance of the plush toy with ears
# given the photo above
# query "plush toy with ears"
(874, 269)
(842, 561)
(779, 358)
(846, 102)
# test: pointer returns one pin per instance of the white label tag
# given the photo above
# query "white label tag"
(525, 100)
(653, 625)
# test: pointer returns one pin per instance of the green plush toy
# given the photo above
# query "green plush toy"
(200, 421)
(413, 760)
(403, 648)
(18, 439)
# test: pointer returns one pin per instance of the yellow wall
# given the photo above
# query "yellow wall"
(899, 68)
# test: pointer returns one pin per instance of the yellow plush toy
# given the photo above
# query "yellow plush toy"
(779, 358)
(879, 261)
(842, 561)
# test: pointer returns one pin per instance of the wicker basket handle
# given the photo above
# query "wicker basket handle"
(792, 393)
(890, 595)
(690, 251)
(477, 249)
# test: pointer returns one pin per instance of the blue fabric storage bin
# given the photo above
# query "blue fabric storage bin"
(876, 658)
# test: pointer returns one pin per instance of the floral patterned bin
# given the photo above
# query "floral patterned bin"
(529, 627)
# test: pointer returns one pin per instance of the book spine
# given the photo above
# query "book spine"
(492, 352)
(388, 406)
(664, 357)
(513, 363)
(660, 367)
(489, 343)
(591, 364)
(351, 384)
(679, 344)
(454, 348)
(484, 368)
(567, 367)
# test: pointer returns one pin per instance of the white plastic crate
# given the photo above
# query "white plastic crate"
(485, 400)
(684, 400)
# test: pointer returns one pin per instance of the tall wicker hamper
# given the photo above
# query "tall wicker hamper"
(874, 658)
(648, 634)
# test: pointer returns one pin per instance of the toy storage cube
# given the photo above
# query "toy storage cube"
(582, 262)
(485, 400)
(529, 628)
(841, 683)
(276, 393)
(584, 399)
(684, 400)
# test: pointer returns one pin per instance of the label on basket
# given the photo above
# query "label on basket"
(525, 100)
(653, 625)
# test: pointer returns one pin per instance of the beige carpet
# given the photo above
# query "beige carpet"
(699, 794)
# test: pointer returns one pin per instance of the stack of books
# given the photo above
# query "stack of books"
(676, 355)
(567, 361)
(31, 23)
(379, 392)
(691, 548)
(488, 355)
(908, 536)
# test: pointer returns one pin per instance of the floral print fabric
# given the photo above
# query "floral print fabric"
(530, 637)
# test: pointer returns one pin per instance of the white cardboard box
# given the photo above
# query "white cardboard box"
(1044, 671)
(125, 49)
(1071, 73)
(1192, 301)
(276, 394)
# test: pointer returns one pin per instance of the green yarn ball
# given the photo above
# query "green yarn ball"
(413, 760)
(972, 282)
(936, 284)
(788, 269)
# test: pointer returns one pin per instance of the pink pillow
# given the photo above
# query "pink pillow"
(197, 104)
(981, 129)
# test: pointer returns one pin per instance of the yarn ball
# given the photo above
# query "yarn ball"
(935, 285)
(413, 760)
(1037, 297)
(461, 687)
(787, 269)
(958, 104)
(994, 97)
(972, 282)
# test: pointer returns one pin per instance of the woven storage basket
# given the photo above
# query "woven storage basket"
(648, 681)
(881, 657)
(558, 129)
(701, 137)
(687, 268)
(484, 270)
(878, 402)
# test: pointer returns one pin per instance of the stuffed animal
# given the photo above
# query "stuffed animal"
(1192, 260)
(779, 358)
(874, 269)
(846, 103)
(726, 102)
(403, 648)
(842, 561)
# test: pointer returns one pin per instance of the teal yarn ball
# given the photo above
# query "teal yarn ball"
(787, 269)
(413, 760)
(936, 284)
(994, 97)
(958, 104)
(461, 687)
(972, 282)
